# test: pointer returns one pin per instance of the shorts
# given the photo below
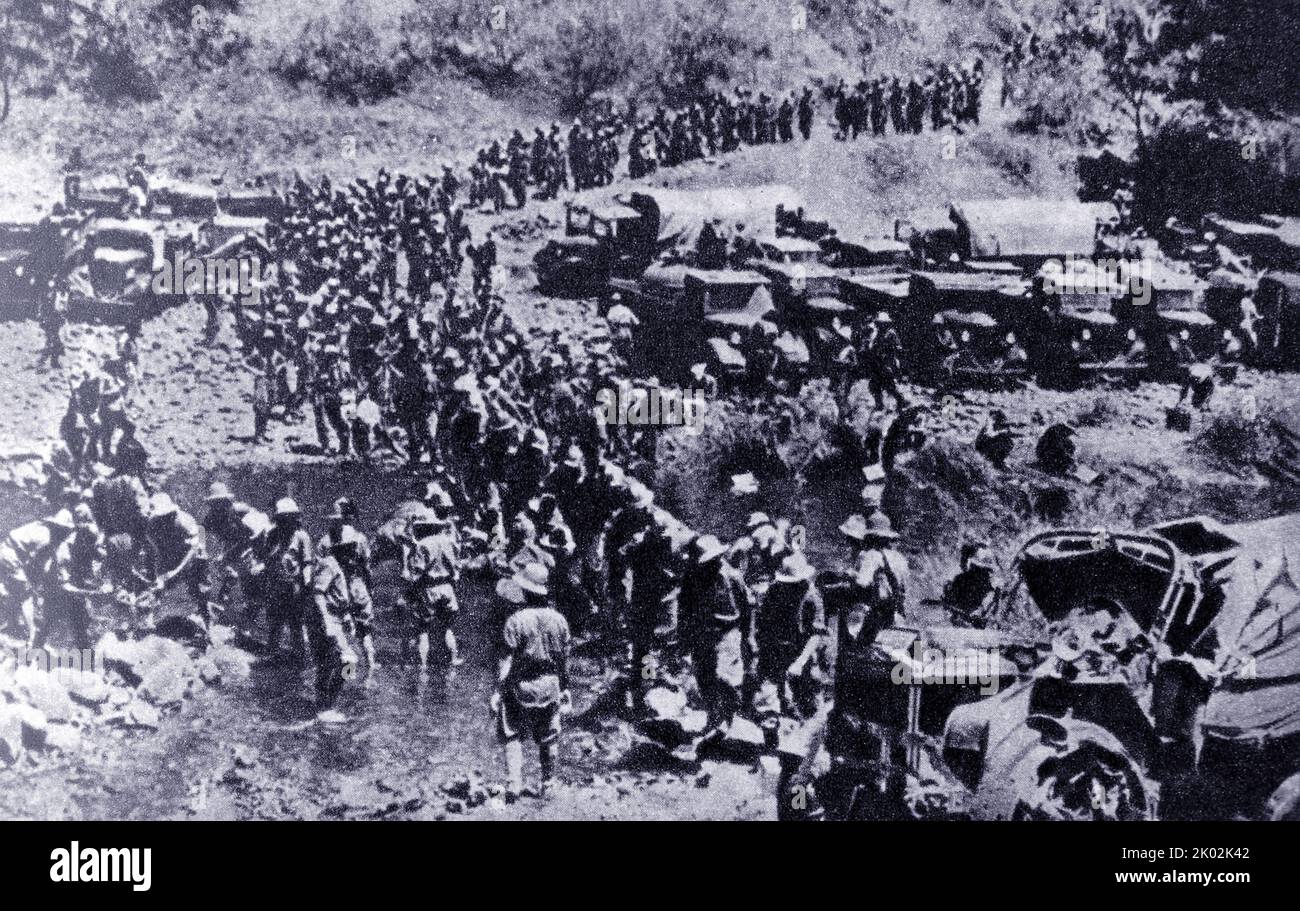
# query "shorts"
(541, 723)
(363, 607)
(432, 606)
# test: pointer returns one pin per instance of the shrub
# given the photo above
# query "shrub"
(346, 60)
(590, 53)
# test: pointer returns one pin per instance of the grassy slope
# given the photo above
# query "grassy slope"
(242, 121)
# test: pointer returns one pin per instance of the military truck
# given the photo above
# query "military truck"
(686, 316)
(250, 202)
(1075, 334)
(104, 195)
(1139, 675)
(958, 327)
(1029, 232)
(182, 201)
(620, 238)
(868, 253)
(1174, 318)
(600, 242)
(113, 280)
(1278, 329)
(804, 290)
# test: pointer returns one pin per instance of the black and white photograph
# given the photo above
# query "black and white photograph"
(650, 410)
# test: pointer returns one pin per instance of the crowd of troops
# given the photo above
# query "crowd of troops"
(943, 96)
(523, 480)
(588, 154)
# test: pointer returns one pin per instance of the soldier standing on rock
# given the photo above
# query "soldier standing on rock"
(532, 676)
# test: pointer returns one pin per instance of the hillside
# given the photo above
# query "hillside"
(236, 117)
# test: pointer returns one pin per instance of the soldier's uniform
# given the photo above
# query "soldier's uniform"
(324, 618)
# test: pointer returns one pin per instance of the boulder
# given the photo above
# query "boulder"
(133, 659)
(167, 683)
(46, 691)
(35, 726)
(209, 671)
(63, 737)
(11, 734)
(743, 741)
(141, 714)
(90, 690)
(235, 664)
(244, 755)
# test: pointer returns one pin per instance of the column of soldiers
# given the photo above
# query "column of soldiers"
(943, 96)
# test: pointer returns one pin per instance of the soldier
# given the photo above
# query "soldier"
(26, 557)
(806, 107)
(74, 580)
(234, 534)
(884, 361)
(790, 611)
(785, 120)
(897, 114)
(174, 541)
(878, 111)
(915, 106)
(718, 618)
(351, 550)
(995, 440)
(532, 689)
(1056, 450)
(650, 558)
(880, 571)
(289, 560)
(327, 384)
(973, 595)
(711, 247)
(431, 570)
(130, 458)
(325, 616)
(51, 318)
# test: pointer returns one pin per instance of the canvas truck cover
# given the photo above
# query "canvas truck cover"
(680, 214)
(995, 228)
(1259, 694)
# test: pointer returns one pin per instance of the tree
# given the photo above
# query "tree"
(698, 49)
(1236, 53)
(47, 43)
(1134, 64)
(592, 53)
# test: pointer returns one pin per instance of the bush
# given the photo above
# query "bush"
(698, 47)
(1192, 166)
(1242, 442)
(346, 60)
(591, 53)
(112, 70)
